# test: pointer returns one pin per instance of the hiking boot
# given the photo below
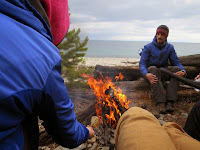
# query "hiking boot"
(170, 106)
(161, 108)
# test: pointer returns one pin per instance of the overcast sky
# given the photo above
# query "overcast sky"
(136, 20)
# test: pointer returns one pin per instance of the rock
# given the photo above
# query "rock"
(101, 141)
(94, 121)
(92, 140)
(98, 131)
(61, 148)
(89, 145)
(43, 148)
(161, 122)
(183, 115)
(97, 137)
(81, 147)
(112, 141)
(103, 148)
(41, 128)
(94, 146)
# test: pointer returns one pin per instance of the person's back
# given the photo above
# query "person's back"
(30, 79)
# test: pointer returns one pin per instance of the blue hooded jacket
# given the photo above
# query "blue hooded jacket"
(30, 79)
(153, 56)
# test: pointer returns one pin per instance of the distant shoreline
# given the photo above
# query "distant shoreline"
(106, 61)
(129, 49)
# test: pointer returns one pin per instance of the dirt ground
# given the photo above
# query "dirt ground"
(140, 95)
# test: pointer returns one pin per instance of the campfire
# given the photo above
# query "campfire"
(111, 103)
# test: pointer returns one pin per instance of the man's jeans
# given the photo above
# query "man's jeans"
(158, 89)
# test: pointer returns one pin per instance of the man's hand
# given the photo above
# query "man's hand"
(91, 131)
(152, 78)
(197, 77)
(180, 73)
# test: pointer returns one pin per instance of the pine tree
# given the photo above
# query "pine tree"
(72, 52)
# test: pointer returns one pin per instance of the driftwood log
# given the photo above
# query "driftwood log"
(86, 115)
(190, 60)
(191, 64)
(182, 79)
(130, 73)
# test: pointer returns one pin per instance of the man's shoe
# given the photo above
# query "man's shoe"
(170, 106)
(161, 108)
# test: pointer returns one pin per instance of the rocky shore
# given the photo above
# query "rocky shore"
(93, 61)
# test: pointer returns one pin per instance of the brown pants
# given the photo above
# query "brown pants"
(158, 89)
(138, 129)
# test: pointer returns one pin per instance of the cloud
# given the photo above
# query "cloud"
(136, 20)
(82, 17)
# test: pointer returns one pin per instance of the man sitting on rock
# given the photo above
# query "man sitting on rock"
(154, 56)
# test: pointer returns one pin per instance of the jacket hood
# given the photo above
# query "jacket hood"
(160, 46)
(23, 12)
(57, 12)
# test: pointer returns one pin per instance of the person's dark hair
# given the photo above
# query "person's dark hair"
(164, 27)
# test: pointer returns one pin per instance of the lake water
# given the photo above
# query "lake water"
(129, 49)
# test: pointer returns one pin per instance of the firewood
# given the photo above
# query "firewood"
(86, 114)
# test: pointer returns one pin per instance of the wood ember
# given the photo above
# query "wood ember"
(87, 114)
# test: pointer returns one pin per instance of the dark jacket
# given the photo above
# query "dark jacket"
(30, 79)
(154, 54)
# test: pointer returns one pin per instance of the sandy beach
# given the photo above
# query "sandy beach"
(93, 61)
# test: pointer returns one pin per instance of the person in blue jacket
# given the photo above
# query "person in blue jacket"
(154, 56)
(30, 73)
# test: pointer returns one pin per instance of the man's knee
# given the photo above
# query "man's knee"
(134, 113)
(175, 69)
(137, 111)
(152, 69)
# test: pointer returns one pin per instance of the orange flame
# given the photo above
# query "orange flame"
(100, 86)
(119, 77)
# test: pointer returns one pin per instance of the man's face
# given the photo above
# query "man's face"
(160, 37)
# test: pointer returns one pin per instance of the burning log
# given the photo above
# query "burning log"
(87, 114)
(110, 91)
(111, 103)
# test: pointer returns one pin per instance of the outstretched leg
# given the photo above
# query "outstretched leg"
(138, 129)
